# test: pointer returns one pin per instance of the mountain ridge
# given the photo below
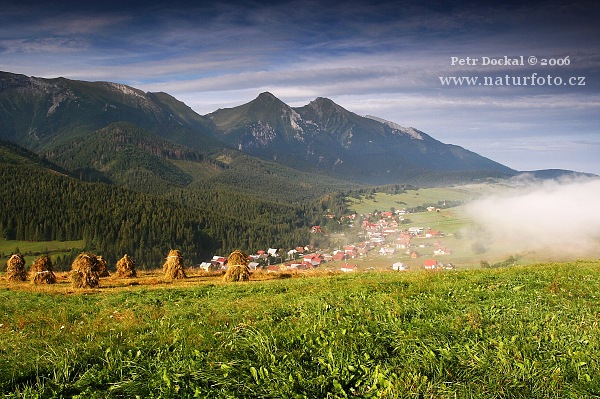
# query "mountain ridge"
(321, 137)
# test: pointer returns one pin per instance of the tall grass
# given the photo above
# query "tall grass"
(524, 332)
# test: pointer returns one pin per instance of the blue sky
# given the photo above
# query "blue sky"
(378, 58)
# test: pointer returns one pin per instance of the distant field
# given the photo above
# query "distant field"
(520, 332)
(41, 247)
(413, 198)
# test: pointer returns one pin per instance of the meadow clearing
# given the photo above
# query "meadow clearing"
(517, 332)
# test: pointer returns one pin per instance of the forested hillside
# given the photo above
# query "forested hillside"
(40, 204)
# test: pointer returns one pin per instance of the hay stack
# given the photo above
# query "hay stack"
(85, 270)
(173, 267)
(126, 267)
(15, 268)
(102, 269)
(41, 271)
(237, 267)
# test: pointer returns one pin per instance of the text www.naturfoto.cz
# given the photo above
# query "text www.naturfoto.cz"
(507, 80)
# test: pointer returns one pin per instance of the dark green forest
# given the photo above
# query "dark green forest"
(39, 205)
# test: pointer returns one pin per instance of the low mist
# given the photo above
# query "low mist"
(559, 219)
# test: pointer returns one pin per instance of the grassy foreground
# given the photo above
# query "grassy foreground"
(522, 332)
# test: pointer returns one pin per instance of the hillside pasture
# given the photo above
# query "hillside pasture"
(413, 198)
(521, 332)
(33, 249)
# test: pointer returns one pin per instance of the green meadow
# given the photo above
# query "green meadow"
(33, 249)
(418, 197)
(516, 332)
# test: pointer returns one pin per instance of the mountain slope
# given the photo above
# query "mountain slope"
(13, 154)
(264, 121)
(127, 155)
(324, 136)
(36, 112)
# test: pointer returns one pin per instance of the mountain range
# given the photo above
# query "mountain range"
(115, 133)
(323, 136)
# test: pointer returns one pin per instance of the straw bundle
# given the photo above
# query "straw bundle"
(126, 267)
(237, 267)
(41, 271)
(15, 268)
(173, 267)
(102, 269)
(85, 270)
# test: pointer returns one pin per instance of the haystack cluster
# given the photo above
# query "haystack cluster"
(86, 269)
(126, 267)
(237, 267)
(41, 271)
(15, 268)
(173, 267)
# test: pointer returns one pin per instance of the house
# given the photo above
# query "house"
(339, 256)
(387, 232)
(430, 264)
(272, 252)
(253, 265)
(313, 259)
(206, 266)
(349, 248)
(348, 268)
(368, 225)
(399, 266)
(387, 251)
(219, 261)
(433, 233)
(415, 230)
(316, 229)
(405, 239)
(362, 250)
(376, 238)
(442, 251)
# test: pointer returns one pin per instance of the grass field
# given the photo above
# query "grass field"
(422, 196)
(520, 332)
(32, 249)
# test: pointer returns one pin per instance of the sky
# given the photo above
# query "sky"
(535, 104)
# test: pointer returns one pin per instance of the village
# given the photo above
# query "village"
(384, 242)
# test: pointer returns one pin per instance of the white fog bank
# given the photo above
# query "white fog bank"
(560, 218)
